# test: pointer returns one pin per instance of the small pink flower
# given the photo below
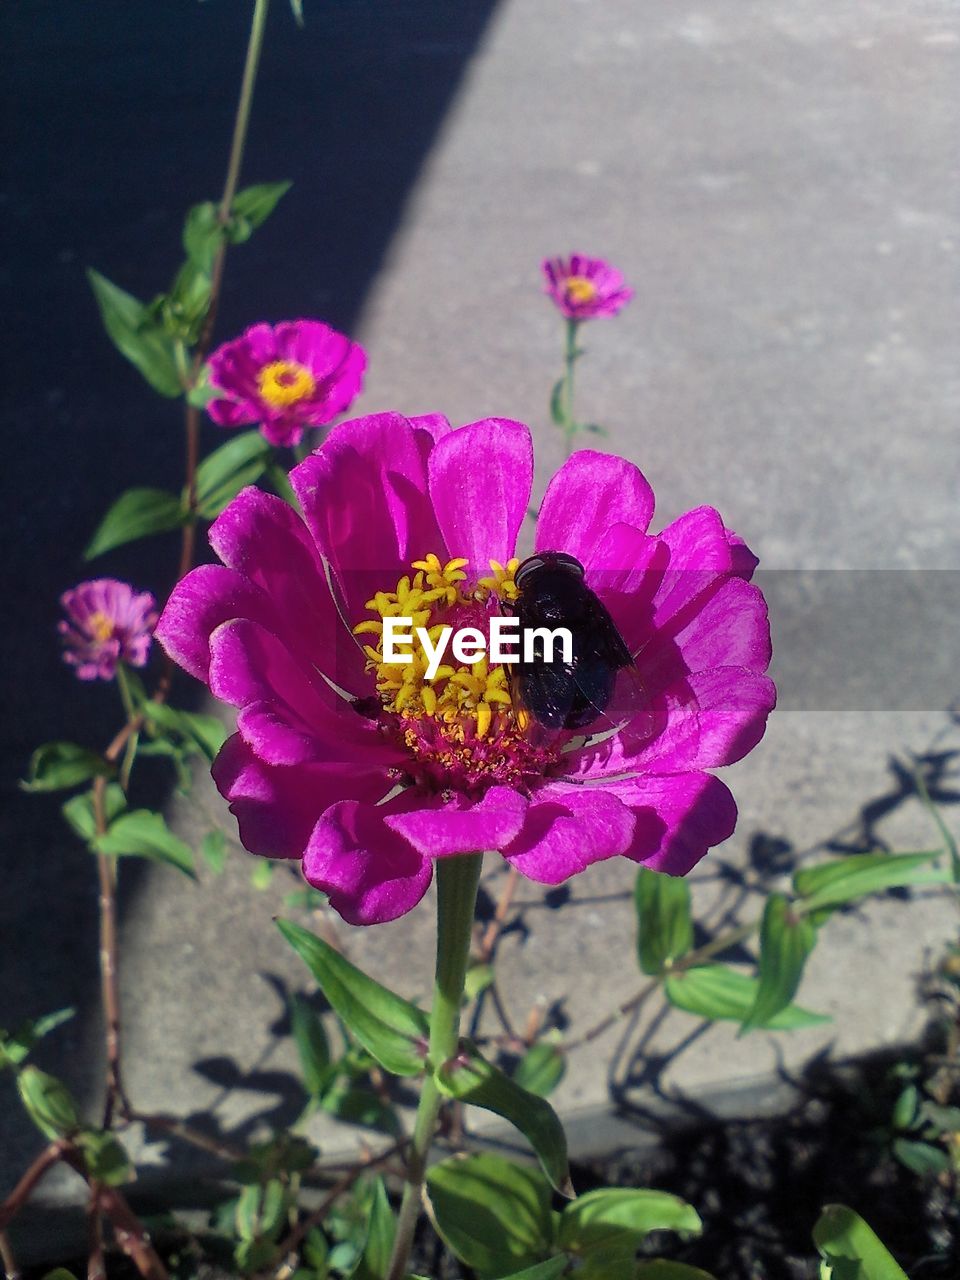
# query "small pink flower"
(107, 621)
(286, 377)
(583, 288)
(408, 517)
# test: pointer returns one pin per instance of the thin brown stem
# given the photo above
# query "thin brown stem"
(493, 929)
(96, 1265)
(10, 1269)
(131, 1235)
(342, 1185)
(22, 1192)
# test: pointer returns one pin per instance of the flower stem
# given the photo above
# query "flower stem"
(457, 881)
(570, 354)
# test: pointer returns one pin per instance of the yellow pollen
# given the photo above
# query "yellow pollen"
(474, 697)
(284, 382)
(580, 289)
(101, 627)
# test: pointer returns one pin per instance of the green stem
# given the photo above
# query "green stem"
(569, 361)
(130, 711)
(457, 881)
(250, 68)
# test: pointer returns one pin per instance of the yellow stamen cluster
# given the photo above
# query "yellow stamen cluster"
(580, 289)
(285, 382)
(501, 582)
(100, 626)
(461, 700)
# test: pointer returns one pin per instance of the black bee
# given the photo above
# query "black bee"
(571, 695)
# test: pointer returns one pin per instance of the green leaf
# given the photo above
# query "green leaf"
(663, 1269)
(541, 1068)
(786, 939)
(206, 734)
(15, 1048)
(494, 1215)
(842, 881)
(949, 839)
(714, 991)
(615, 1221)
(375, 1260)
(78, 811)
(312, 1045)
(390, 1028)
(137, 335)
(921, 1158)
(138, 513)
(145, 834)
(58, 765)
(213, 850)
(252, 207)
(361, 1106)
(48, 1103)
(296, 7)
(842, 1236)
(282, 486)
(552, 1269)
(470, 1078)
(478, 979)
(665, 925)
(558, 413)
(202, 234)
(223, 473)
(105, 1158)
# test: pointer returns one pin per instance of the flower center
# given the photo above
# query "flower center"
(100, 626)
(461, 728)
(580, 289)
(284, 382)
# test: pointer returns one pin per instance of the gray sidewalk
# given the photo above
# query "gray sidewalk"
(779, 183)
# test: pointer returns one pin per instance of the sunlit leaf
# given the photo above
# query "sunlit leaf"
(715, 991)
(664, 922)
(843, 1238)
(390, 1028)
(786, 940)
(494, 1214)
(616, 1220)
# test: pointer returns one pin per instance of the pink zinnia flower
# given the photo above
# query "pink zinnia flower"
(286, 377)
(413, 518)
(107, 622)
(584, 288)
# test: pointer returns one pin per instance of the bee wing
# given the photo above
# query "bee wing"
(624, 703)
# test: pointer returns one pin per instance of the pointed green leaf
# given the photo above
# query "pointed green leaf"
(48, 1103)
(714, 991)
(552, 1269)
(58, 765)
(842, 1236)
(786, 939)
(105, 1157)
(206, 734)
(223, 473)
(494, 1214)
(374, 1262)
(921, 1158)
(847, 879)
(392, 1029)
(202, 234)
(145, 834)
(137, 335)
(252, 207)
(663, 1269)
(15, 1048)
(665, 925)
(213, 850)
(615, 1221)
(138, 513)
(312, 1045)
(470, 1078)
(541, 1068)
(78, 810)
(297, 9)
